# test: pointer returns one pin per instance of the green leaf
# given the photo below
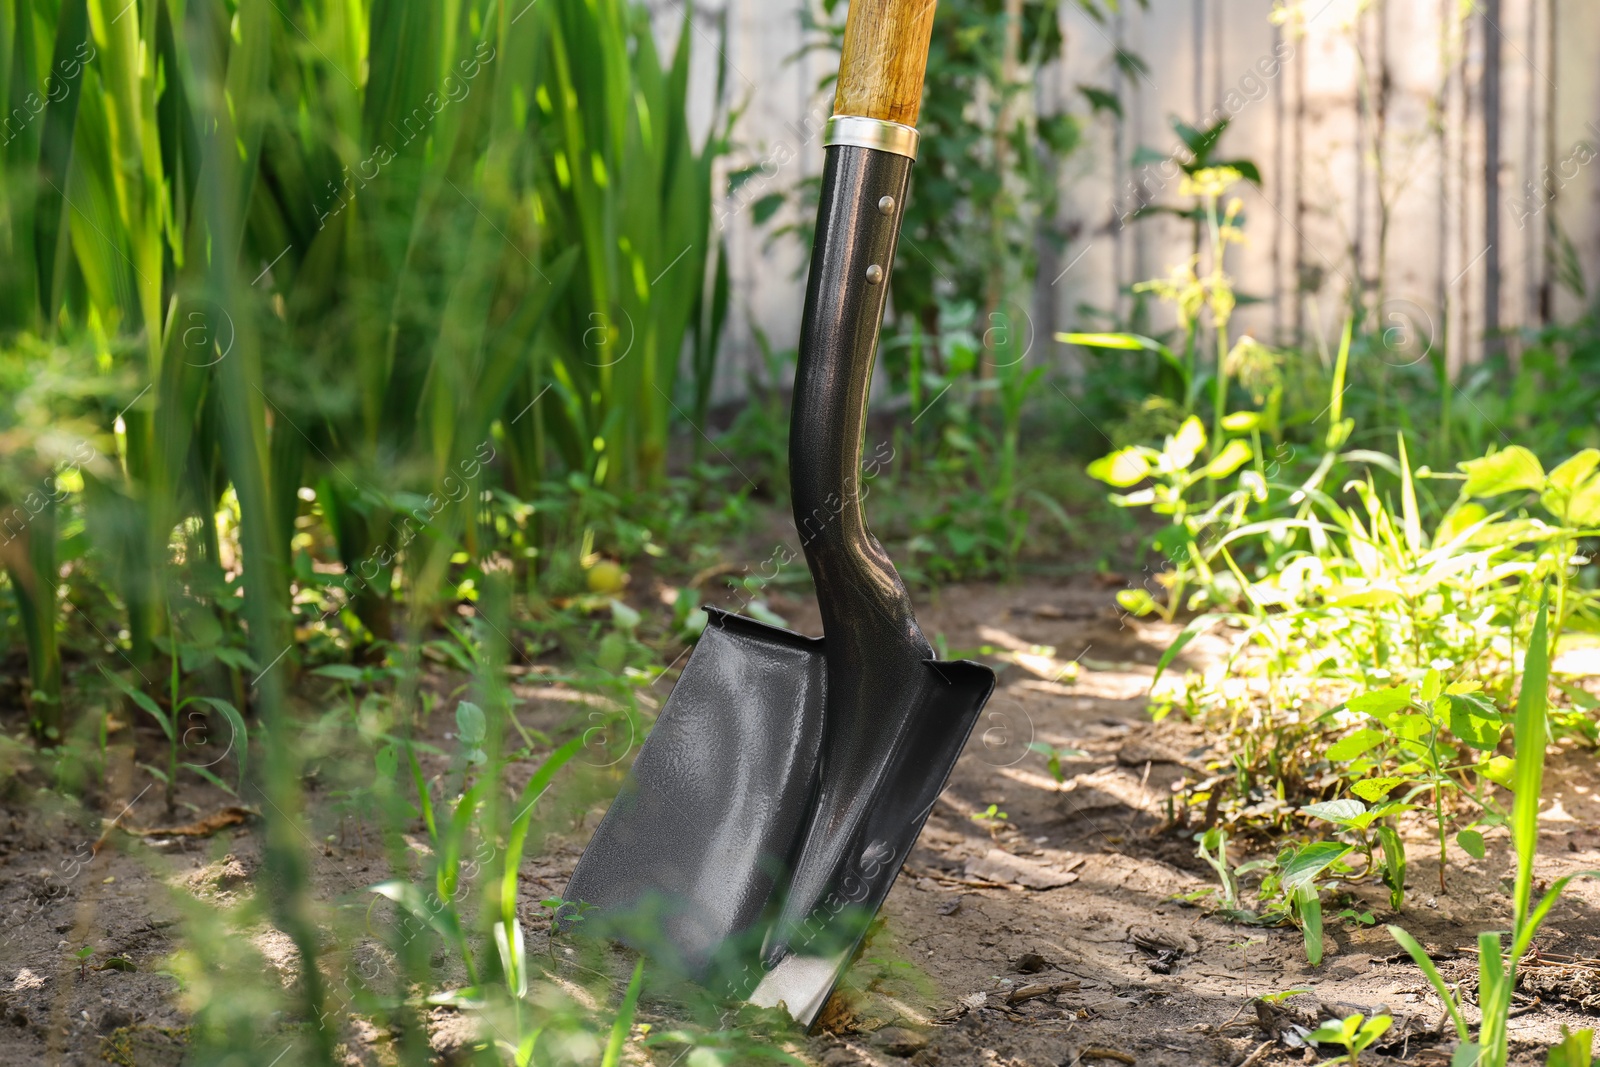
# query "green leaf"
(1576, 1049)
(1571, 474)
(1530, 734)
(1471, 842)
(237, 658)
(471, 725)
(1499, 770)
(1373, 790)
(1353, 745)
(1382, 810)
(1411, 520)
(1183, 446)
(513, 957)
(143, 700)
(1335, 811)
(1124, 341)
(1432, 686)
(1371, 1030)
(1583, 508)
(1309, 862)
(767, 206)
(623, 1024)
(1420, 956)
(341, 672)
(1511, 469)
(210, 776)
(1310, 906)
(1101, 100)
(1394, 865)
(1234, 455)
(1475, 721)
(1197, 626)
(1122, 468)
(1334, 1032)
(1380, 702)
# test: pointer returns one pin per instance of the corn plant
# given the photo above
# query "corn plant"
(1497, 963)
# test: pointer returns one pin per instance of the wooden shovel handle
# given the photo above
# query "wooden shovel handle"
(884, 56)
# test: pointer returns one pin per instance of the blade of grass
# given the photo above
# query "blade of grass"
(624, 1021)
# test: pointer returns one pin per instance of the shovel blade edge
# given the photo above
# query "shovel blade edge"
(686, 859)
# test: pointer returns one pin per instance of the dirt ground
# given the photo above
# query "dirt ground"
(1053, 937)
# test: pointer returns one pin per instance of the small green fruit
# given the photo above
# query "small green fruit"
(607, 576)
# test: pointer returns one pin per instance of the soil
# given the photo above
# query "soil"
(1058, 935)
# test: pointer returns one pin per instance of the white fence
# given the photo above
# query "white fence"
(1393, 164)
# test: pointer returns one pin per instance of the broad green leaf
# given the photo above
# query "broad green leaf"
(1336, 1031)
(1242, 421)
(1380, 702)
(1373, 790)
(1475, 721)
(1576, 1049)
(1373, 1029)
(1353, 745)
(1335, 811)
(1571, 474)
(1459, 520)
(1122, 468)
(1410, 727)
(1382, 810)
(1471, 842)
(1498, 769)
(1583, 509)
(1432, 686)
(1511, 469)
(471, 725)
(1309, 862)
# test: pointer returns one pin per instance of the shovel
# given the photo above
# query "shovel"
(786, 779)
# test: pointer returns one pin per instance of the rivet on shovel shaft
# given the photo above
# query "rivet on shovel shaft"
(874, 273)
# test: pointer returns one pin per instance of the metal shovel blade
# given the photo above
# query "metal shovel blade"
(686, 860)
(861, 831)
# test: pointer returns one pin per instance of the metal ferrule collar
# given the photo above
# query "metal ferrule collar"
(863, 132)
